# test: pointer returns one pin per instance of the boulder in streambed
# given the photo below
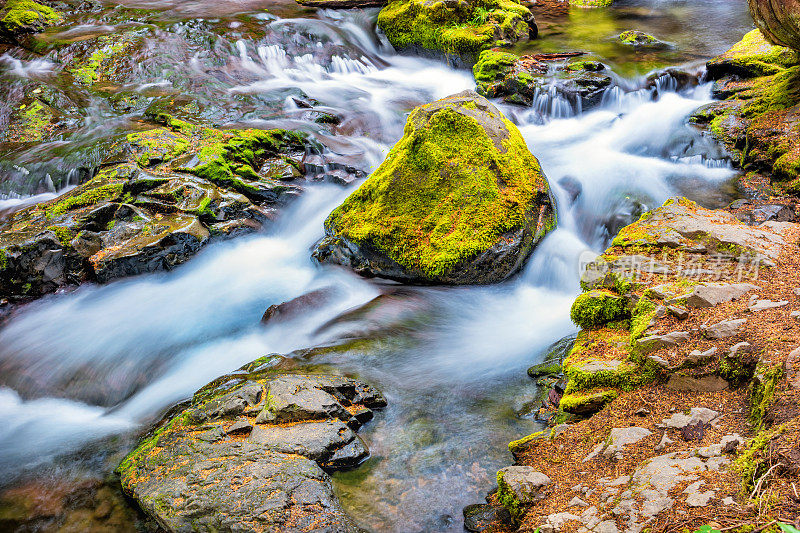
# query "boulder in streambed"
(250, 453)
(18, 17)
(458, 200)
(457, 30)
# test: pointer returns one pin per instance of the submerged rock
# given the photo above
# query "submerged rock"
(640, 39)
(459, 199)
(250, 453)
(457, 30)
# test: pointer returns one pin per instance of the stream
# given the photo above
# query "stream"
(85, 372)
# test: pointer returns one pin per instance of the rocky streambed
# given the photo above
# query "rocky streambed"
(136, 389)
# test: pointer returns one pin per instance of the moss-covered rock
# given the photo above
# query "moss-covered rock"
(596, 308)
(140, 213)
(457, 29)
(250, 452)
(758, 117)
(459, 199)
(591, 3)
(518, 79)
(752, 56)
(640, 39)
(26, 16)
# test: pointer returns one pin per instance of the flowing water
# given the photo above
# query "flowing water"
(85, 372)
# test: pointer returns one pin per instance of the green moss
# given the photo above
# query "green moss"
(755, 56)
(444, 194)
(750, 463)
(157, 146)
(493, 65)
(64, 235)
(129, 464)
(596, 308)
(21, 15)
(516, 446)
(3, 259)
(508, 499)
(591, 66)
(637, 38)
(90, 196)
(762, 393)
(109, 47)
(591, 3)
(577, 403)
(31, 122)
(643, 313)
(462, 29)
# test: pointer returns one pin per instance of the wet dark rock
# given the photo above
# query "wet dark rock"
(297, 306)
(480, 517)
(376, 230)
(199, 470)
(572, 187)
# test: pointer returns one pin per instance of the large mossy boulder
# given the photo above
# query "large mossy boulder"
(459, 199)
(778, 21)
(251, 452)
(457, 29)
(18, 17)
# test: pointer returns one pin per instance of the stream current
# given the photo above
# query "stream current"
(86, 371)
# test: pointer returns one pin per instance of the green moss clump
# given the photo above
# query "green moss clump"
(754, 56)
(492, 66)
(157, 146)
(643, 313)
(596, 308)
(26, 15)
(461, 29)
(226, 157)
(95, 67)
(579, 403)
(516, 446)
(3, 260)
(90, 196)
(508, 499)
(762, 393)
(750, 463)
(446, 192)
(64, 235)
(591, 3)
(637, 38)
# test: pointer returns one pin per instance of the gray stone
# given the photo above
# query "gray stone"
(651, 343)
(295, 398)
(696, 414)
(762, 305)
(700, 499)
(724, 329)
(201, 475)
(524, 482)
(559, 521)
(663, 443)
(613, 447)
(712, 294)
(736, 348)
(698, 358)
(577, 502)
(678, 311)
(606, 526)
